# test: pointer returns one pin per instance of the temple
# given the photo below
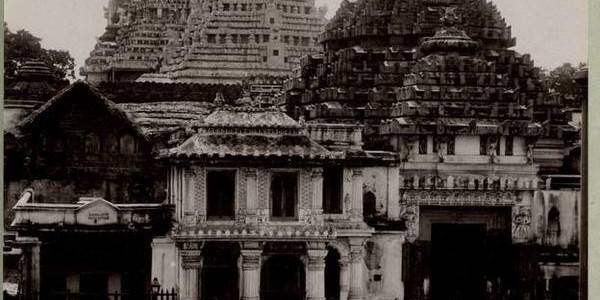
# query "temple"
(203, 41)
(408, 153)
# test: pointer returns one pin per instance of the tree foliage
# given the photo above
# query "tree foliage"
(560, 81)
(22, 46)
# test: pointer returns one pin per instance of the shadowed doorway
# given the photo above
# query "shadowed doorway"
(282, 277)
(458, 256)
(220, 271)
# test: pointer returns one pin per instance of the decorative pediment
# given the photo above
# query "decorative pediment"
(96, 211)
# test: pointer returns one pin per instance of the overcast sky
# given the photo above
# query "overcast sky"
(552, 31)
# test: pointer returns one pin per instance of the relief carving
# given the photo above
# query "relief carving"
(521, 223)
(410, 215)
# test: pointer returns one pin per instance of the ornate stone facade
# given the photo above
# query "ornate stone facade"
(203, 41)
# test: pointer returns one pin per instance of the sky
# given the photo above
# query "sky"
(552, 31)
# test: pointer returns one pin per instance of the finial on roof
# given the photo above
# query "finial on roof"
(245, 100)
(450, 16)
(219, 99)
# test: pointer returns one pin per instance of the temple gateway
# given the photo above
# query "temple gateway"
(246, 149)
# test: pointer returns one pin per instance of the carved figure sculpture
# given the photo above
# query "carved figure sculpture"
(522, 223)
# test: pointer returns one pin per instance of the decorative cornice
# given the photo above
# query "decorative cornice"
(458, 198)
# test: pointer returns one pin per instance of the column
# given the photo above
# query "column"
(31, 247)
(357, 252)
(344, 277)
(357, 195)
(251, 273)
(316, 272)
(317, 189)
(393, 192)
(191, 262)
(251, 194)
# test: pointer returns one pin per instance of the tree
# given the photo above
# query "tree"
(23, 46)
(560, 80)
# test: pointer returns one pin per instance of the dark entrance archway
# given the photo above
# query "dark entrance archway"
(220, 271)
(282, 277)
(458, 256)
(332, 274)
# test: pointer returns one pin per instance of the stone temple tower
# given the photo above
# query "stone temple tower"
(204, 41)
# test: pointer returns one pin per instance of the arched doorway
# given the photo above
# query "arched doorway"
(332, 274)
(220, 271)
(282, 277)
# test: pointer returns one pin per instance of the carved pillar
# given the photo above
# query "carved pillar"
(344, 277)
(200, 195)
(191, 263)
(251, 273)
(251, 195)
(317, 189)
(357, 252)
(357, 187)
(316, 272)
(189, 213)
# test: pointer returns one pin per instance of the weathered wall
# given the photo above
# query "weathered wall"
(383, 260)
(383, 182)
(165, 262)
(568, 203)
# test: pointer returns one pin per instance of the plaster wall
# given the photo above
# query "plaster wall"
(467, 145)
(383, 182)
(383, 273)
(164, 262)
(568, 203)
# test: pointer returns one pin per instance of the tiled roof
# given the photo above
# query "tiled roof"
(250, 117)
(159, 117)
(250, 132)
(139, 92)
(250, 145)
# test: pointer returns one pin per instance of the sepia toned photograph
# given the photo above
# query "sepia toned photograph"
(295, 149)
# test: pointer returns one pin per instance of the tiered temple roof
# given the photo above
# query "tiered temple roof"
(246, 132)
(390, 59)
(203, 41)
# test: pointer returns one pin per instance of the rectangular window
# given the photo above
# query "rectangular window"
(332, 190)
(284, 195)
(212, 39)
(220, 193)
(275, 52)
(272, 20)
(435, 141)
(483, 145)
(225, 6)
(508, 146)
(422, 144)
(265, 38)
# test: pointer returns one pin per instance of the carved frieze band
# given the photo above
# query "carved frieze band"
(454, 198)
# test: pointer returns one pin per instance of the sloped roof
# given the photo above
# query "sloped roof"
(148, 119)
(250, 132)
(160, 117)
(250, 145)
(83, 88)
(250, 117)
